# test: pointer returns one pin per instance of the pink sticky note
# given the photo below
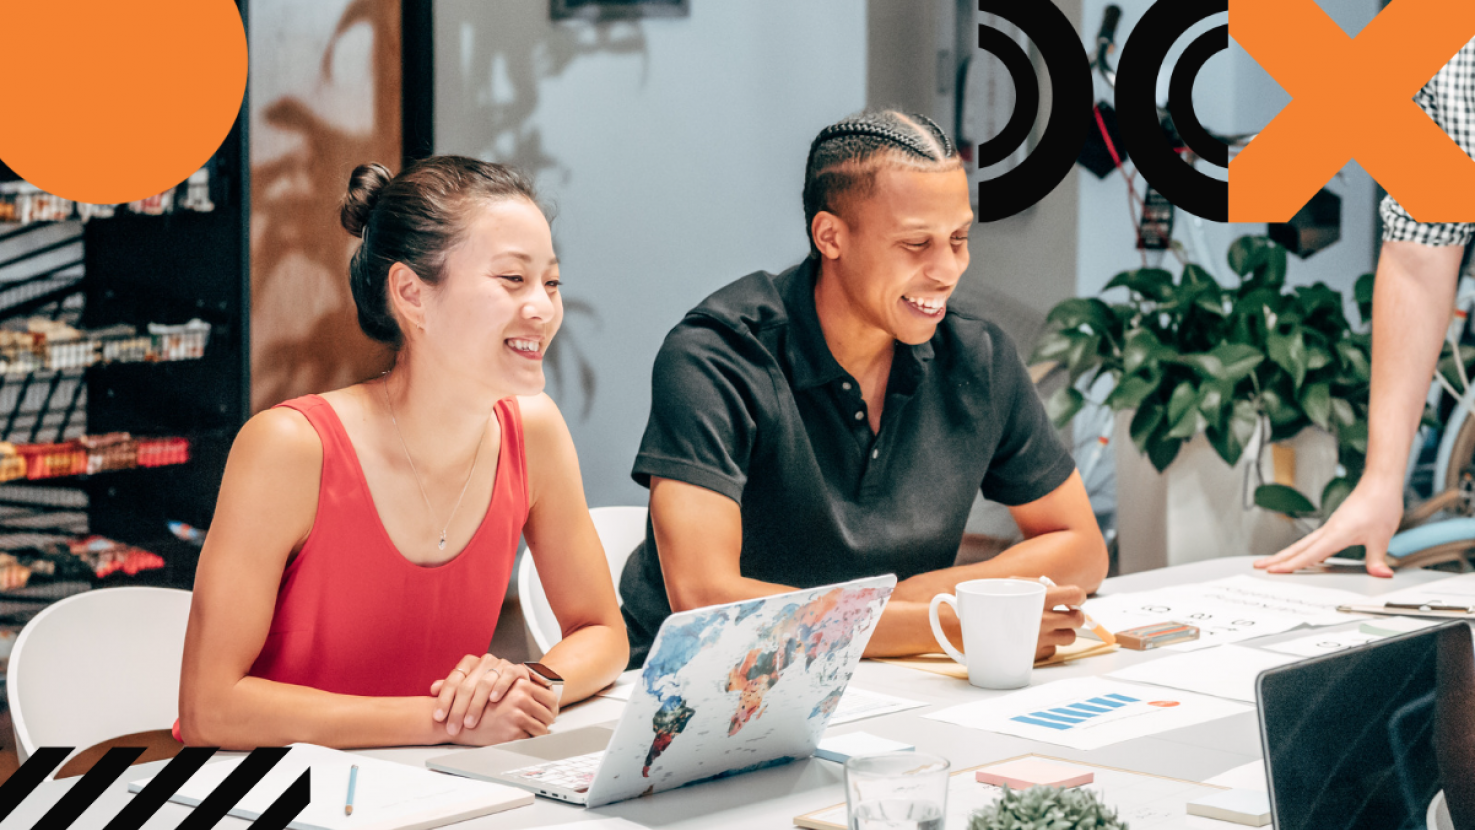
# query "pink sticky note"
(1030, 772)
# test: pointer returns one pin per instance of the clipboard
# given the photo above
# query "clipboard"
(1432, 612)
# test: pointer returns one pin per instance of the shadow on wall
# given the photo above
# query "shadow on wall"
(304, 330)
(502, 76)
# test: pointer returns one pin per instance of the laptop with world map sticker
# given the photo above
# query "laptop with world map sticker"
(726, 689)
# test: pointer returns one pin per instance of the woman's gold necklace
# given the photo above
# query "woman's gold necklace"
(430, 511)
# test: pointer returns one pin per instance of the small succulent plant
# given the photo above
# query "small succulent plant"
(1047, 808)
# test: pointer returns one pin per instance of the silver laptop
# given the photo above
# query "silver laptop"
(726, 690)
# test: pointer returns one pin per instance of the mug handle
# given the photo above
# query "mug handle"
(937, 626)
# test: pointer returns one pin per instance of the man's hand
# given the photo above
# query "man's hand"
(1368, 517)
(1058, 627)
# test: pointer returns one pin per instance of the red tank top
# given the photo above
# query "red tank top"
(353, 616)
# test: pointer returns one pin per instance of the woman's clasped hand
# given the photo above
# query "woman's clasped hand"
(488, 700)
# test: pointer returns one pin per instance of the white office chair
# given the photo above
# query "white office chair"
(97, 665)
(620, 530)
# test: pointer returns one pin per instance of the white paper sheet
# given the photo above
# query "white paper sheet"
(1456, 590)
(1088, 712)
(858, 704)
(1251, 776)
(1315, 645)
(599, 824)
(387, 795)
(1228, 610)
(1227, 671)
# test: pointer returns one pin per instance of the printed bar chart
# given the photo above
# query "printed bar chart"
(1067, 716)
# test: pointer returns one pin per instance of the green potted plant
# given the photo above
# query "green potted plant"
(1046, 808)
(1188, 355)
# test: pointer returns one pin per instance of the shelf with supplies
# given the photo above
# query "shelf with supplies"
(124, 378)
(22, 203)
(52, 346)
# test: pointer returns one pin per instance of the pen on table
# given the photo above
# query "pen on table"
(353, 777)
(1096, 628)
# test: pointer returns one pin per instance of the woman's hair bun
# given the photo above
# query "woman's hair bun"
(364, 187)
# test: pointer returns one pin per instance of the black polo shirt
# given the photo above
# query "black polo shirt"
(748, 401)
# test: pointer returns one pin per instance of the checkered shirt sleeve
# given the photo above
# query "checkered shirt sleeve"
(1449, 98)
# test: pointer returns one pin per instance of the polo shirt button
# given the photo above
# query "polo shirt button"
(860, 416)
(875, 454)
(845, 386)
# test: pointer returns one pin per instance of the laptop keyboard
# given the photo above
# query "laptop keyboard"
(575, 773)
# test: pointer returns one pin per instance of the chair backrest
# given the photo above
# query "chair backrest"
(620, 530)
(96, 666)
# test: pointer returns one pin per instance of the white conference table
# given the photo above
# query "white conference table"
(773, 797)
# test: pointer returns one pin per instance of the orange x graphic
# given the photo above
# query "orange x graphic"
(1353, 98)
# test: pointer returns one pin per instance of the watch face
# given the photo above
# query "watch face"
(544, 672)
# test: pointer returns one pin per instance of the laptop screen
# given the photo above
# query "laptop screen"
(1349, 738)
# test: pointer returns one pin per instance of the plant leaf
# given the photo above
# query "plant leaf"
(1245, 253)
(1275, 264)
(1075, 350)
(1142, 348)
(1289, 353)
(1317, 357)
(1316, 400)
(1230, 441)
(1144, 423)
(1162, 451)
(1362, 292)
(1283, 499)
(1131, 391)
(1152, 283)
(1184, 398)
(1355, 359)
(1063, 405)
(1238, 360)
(1337, 490)
(1078, 311)
(1196, 276)
(1216, 401)
(1343, 414)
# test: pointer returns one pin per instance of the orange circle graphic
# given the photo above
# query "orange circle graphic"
(109, 102)
(1164, 704)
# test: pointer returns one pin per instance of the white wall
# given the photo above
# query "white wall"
(1232, 95)
(674, 150)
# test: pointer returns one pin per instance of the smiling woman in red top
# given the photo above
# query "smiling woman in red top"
(364, 538)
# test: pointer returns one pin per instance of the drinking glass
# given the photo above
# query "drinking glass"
(896, 791)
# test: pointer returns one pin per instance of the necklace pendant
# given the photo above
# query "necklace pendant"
(442, 544)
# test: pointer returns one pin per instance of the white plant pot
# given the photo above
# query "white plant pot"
(1202, 508)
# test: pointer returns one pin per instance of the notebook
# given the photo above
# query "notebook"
(387, 796)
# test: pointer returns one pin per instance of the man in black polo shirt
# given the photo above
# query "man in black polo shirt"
(835, 421)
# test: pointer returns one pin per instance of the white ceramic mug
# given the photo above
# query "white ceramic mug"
(1001, 629)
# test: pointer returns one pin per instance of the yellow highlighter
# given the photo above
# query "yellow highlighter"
(1096, 628)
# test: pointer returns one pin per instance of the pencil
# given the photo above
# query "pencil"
(353, 775)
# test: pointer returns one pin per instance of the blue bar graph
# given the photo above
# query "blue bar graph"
(1067, 716)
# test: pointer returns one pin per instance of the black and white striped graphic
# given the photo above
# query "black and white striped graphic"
(142, 806)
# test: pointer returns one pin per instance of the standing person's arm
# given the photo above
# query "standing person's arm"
(1413, 295)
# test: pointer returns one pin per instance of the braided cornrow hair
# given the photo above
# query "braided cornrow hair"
(844, 157)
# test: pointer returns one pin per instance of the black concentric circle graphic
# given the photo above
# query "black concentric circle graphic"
(1065, 131)
(1142, 60)
(1026, 96)
(1180, 96)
